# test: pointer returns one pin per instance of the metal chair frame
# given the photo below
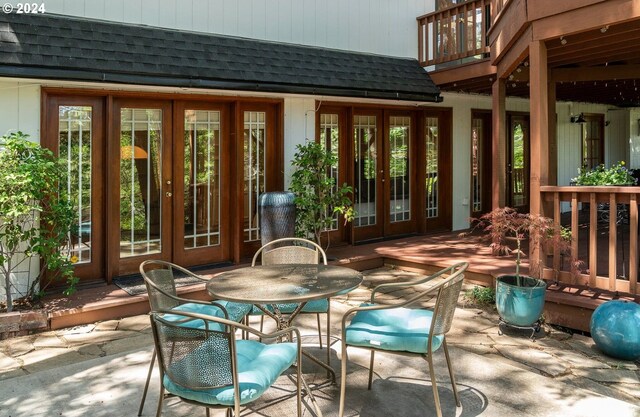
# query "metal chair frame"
(160, 299)
(231, 327)
(307, 250)
(447, 292)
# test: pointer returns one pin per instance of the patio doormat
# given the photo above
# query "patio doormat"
(134, 284)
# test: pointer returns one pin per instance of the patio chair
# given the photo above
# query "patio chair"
(202, 363)
(159, 278)
(395, 328)
(293, 250)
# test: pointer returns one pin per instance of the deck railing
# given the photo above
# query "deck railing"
(599, 233)
(453, 33)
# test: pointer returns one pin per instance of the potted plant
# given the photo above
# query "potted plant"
(520, 298)
(36, 219)
(617, 174)
(318, 198)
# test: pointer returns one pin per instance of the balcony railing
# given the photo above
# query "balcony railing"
(454, 33)
(605, 239)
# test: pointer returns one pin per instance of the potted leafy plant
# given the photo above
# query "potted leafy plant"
(617, 174)
(520, 298)
(35, 219)
(318, 198)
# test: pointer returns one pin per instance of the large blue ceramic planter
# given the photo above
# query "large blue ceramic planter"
(615, 327)
(520, 305)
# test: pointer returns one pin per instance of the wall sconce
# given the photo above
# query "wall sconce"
(578, 119)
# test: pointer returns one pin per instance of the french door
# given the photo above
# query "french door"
(160, 180)
(481, 163)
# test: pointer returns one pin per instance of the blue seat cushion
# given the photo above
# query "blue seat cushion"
(313, 306)
(397, 329)
(259, 366)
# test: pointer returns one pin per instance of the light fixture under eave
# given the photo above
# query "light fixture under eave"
(578, 119)
(563, 41)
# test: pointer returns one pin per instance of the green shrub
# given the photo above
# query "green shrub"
(35, 215)
(484, 296)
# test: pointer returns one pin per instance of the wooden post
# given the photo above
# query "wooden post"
(498, 144)
(539, 101)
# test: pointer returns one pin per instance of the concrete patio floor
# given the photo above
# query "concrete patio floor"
(100, 369)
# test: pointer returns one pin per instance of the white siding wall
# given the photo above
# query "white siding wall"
(20, 104)
(386, 27)
(299, 126)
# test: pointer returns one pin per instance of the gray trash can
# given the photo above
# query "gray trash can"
(277, 215)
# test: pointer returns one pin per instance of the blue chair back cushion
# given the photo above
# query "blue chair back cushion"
(397, 329)
(259, 366)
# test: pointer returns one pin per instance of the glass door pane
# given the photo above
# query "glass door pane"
(140, 181)
(254, 172)
(477, 168)
(432, 167)
(330, 137)
(201, 178)
(75, 147)
(400, 195)
(365, 175)
(518, 183)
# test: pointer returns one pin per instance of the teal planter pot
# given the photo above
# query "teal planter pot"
(615, 327)
(520, 305)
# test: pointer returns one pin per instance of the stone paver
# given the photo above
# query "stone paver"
(8, 363)
(542, 361)
(49, 339)
(107, 325)
(622, 376)
(48, 358)
(135, 323)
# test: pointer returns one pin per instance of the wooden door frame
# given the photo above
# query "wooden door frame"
(485, 173)
(222, 251)
(129, 265)
(408, 226)
(370, 232)
(445, 169)
(50, 139)
(274, 155)
(345, 175)
(511, 115)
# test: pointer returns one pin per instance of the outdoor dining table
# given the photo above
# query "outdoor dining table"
(265, 286)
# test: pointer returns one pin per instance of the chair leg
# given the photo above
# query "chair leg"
(319, 330)
(343, 378)
(146, 384)
(373, 354)
(329, 334)
(436, 397)
(207, 410)
(453, 379)
(160, 398)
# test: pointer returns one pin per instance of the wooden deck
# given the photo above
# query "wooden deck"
(567, 306)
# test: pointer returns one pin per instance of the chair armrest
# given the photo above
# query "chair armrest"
(188, 300)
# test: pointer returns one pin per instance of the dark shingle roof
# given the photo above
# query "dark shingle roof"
(59, 47)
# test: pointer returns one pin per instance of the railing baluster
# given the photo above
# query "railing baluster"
(556, 225)
(593, 240)
(633, 244)
(575, 230)
(613, 220)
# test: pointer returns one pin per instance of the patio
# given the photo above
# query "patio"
(99, 369)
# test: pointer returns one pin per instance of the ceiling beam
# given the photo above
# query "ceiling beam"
(615, 72)
(463, 72)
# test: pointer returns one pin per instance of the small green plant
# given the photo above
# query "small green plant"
(317, 196)
(35, 216)
(617, 174)
(483, 296)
